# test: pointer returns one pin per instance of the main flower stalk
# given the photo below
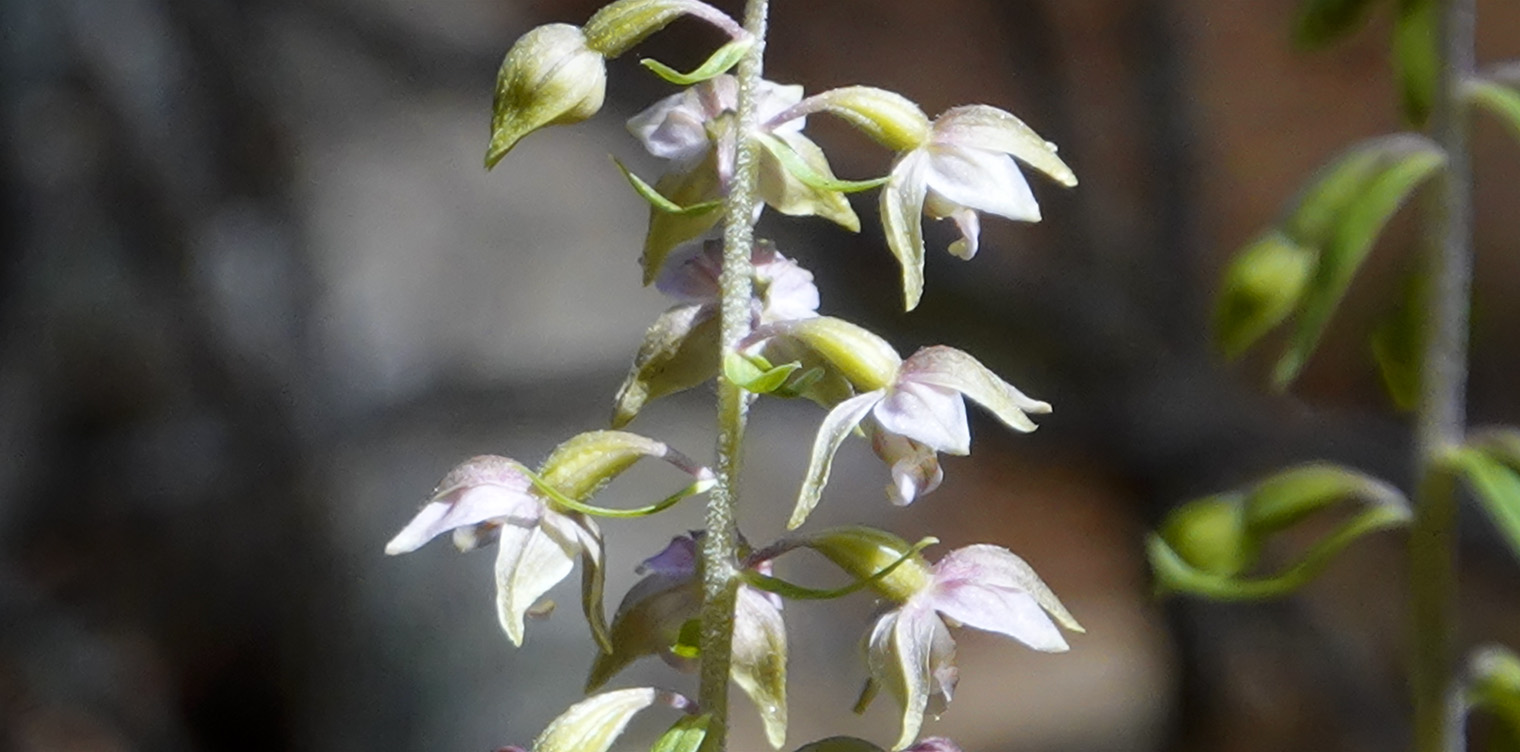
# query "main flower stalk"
(1441, 410)
(720, 578)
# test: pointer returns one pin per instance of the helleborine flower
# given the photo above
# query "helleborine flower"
(695, 131)
(916, 406)
(490, 498)
(965, 166)
(659, 611)
(680, 350)
(910, 651)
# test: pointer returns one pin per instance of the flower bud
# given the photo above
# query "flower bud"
(549, 77)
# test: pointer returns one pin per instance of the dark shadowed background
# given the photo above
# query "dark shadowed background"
(258, 295)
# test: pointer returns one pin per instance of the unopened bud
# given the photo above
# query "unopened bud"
(549, 77)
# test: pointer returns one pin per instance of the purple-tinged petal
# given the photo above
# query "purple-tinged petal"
(950, 368)
(934, 744)
(691, 272)
(931, 415)
(978, 179)
(915, 467)
(993, 609)
(479, 489)
(997, 567)
(673, 128)
(985, 127)
(836, 426)
(787, 290)
(902, 208)
(531, 560)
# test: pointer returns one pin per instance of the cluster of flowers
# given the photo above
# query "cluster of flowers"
(911, 409)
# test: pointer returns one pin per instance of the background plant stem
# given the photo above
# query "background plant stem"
(720, 582)
(1442, 406)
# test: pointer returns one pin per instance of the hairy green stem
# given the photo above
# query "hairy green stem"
(720, 573)
(1441, 411)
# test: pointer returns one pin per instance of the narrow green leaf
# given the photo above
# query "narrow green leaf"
(1498, 490)
(1321, 22)
(659, 201)
(1398, 344)
(801, 593)
(545, 488)
(800, 169)
(685, 736)
(1262, 286)
(1501, 100)
(716, 65)
(1416, 57)
(1356, 212)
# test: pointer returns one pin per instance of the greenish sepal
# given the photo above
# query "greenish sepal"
(798, 592)
(1261, 288)
(1417, 57)
(680, 351)
(717, 64)
(543, 486)
(593, 724)
(754, 374)
(1322, 22)
(659, 201)
(890, 565)
(790, 195)
(1339, 218)
(800, 169)
(621, 24)
(1497, 488)
(865, 359)
(888, 118)
(669, 230)
(685, 736)
(1499, 99)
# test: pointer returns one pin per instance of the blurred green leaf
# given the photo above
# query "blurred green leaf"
(1496, 97)
(1398, 344)
(1340, 217)
(717, 64)
(1416, 57)
(1207, 547)
(1261, 288)
(1497, 487)
(1493, 685)
(1321, 22)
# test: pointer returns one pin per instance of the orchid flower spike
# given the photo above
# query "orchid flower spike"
(659, 614)
(491, 498)
(911, 408)
(694, 130)
(909, 649)
(964, 166)
(680, 349)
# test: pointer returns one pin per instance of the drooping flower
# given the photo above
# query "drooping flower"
(696, 132)
(909, 650)
(965, 166)
(659, 614)
(491, 498)
(911, 408)
(680, 349)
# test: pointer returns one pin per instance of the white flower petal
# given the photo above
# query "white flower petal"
(982, 180)
(931, 415)
(985, 127)
(915, 467)
(759, 659)
(836, 426)
(529, 562)
(480, 489)
(995, 566)
(1010, 612)
(949, 368)
(970, 225)
(593, 724)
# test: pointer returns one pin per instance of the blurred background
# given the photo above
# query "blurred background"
(258, 296)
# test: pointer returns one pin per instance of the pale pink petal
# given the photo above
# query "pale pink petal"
(530, 560)
(1010, 612)
(931, 415)
(673, 128)
(691, 272)
(915, 467)
(786, 289)
(481, 489)
(949, 368)
(982, 180)
(997, 567)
